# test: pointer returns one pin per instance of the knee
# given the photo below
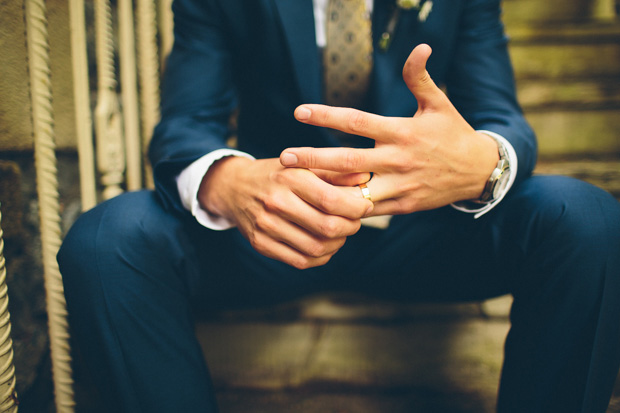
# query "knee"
(100, 239)
(574, 212)
(568, 234)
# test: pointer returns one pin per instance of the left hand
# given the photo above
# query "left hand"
(419, 163)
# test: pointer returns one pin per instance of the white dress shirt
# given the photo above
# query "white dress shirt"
(189, 180)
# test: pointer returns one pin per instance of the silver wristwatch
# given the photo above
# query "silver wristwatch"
(499, 177)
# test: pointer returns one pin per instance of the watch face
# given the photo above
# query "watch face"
(502, 182)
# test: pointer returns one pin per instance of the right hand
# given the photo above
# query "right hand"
(288, 214)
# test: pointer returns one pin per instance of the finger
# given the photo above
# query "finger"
(310, 244)
(280, 251)
(351, 121)
(318, 223)
(329, 199)
(387, 207)
(419, 80)
(378, 189)
(342, 179)
(323, 209)
(344, 160)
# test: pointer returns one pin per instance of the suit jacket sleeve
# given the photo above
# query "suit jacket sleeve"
(480, 81)
(197, 96)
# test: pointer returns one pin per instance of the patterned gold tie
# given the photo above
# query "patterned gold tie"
(347, 58)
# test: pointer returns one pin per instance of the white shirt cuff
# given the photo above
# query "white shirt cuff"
(512, 159)
(188, 184)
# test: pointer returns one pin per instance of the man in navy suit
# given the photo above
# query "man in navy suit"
(283, 214)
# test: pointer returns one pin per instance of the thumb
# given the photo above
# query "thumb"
(418, 80)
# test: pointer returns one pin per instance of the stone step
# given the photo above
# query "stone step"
(359, 309)
(460, 356)
(569, 94)
(604, 173)
(352, 401)
(556, 11)
(575, 133)
(568, 82)
(546, 60)
(347, 348)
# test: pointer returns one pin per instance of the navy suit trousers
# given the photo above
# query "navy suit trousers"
(135, 275)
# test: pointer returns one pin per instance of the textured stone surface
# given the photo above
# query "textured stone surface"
(567, 81)
(353, 342)
(15, 122)
(604, 173)
(555, 11)
(11, 199)
(577, 133)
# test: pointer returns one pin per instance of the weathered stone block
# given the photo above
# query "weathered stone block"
(15, 120)
(556, 11)
(570, 132)
(10, 199)
(464, 356)
(576, 94)
(553, 61)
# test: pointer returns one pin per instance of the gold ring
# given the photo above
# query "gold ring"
(365, 191)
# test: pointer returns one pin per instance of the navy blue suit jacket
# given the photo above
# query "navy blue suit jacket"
(260, 56)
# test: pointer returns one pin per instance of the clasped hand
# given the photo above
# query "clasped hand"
(424, 162)
(300, 209)
(293, 215)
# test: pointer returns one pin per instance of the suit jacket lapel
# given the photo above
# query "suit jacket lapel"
(297, 17)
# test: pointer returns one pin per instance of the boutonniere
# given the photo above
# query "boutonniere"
(423, 9)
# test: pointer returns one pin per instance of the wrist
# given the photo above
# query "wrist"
(499, 176)
(217, 182)
(485, 158)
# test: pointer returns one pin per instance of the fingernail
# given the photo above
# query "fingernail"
(369, 210)
(303, 113)
(288, 159)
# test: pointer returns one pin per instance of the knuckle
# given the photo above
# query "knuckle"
(425, 78)
(255, 242)
(401, 163)
(402, 133)
(326, 200)
(406, 165)
(287, 176)
(316, 250)
(263, 223)
(331, 227)
(359, 212)
(406, 206)
(280, 177)
(325, 259)
(357, 121)
(356, 225)
(273, 202)
(352, 160)
(301, 263)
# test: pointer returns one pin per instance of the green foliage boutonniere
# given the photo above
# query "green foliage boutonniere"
(423, 9)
